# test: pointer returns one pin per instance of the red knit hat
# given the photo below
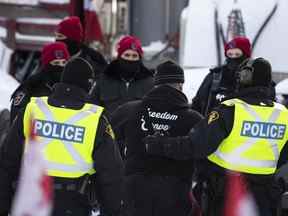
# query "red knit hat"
(241, 43)
(52, 51)
(72, 28)
(129, 42)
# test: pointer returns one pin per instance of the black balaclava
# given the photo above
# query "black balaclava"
(55, 72)
(72, 46)
(128, 69)
(233, 63)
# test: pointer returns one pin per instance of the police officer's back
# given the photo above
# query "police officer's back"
(53, 59)
(247, 134)
(78, 141)
(156, 185)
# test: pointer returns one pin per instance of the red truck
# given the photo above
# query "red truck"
(25, 25)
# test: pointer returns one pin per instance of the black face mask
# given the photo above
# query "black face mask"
(128, 69)
(54, 72)
(72, 46)
(233, 63)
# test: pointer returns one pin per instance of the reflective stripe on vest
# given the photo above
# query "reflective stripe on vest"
(80, 166)
(235, 158)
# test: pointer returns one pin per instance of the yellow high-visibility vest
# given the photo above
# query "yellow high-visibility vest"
(258, 135)
(66, 136)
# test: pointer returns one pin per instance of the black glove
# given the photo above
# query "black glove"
(4, 214)
(154, 144)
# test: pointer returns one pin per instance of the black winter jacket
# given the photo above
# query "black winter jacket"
(95, 58)
(217, 86)
(40, 84)
(208, 97)
(164, 110)
(111, 90)
(107, 160)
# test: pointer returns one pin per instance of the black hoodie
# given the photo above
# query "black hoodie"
(165, 110)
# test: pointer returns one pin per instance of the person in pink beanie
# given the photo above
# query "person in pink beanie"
(220, 82)
(126, 78)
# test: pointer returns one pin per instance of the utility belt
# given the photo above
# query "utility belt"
(66, 187)
(85, 185)
(80, 185)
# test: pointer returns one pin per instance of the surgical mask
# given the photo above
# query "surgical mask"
(128, 69)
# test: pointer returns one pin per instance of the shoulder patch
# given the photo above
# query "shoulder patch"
(213, 116)
(18, 98)
(110, 131)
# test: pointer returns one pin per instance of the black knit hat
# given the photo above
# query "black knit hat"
(262, 72)
(78, 72)
(168, 72)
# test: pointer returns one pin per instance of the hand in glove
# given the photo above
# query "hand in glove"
(4, 214)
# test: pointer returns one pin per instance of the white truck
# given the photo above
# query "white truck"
(206, 24)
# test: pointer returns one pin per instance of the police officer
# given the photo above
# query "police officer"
(221, 81)
(53, 59)
(156, 185)
(77, 142)
(70, 31)
(247, 134)
(4, 124)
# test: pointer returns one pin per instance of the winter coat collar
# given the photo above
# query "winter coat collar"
(112, 71)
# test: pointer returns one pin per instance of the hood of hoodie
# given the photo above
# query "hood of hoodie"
(166, 97)
(69, 96)
(113, 71)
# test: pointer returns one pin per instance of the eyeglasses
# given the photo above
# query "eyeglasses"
(58, 62)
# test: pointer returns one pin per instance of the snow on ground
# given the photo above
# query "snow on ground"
(153, 48)
(282, 87)
(7, 83)
(193, 79)
(3, 32)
